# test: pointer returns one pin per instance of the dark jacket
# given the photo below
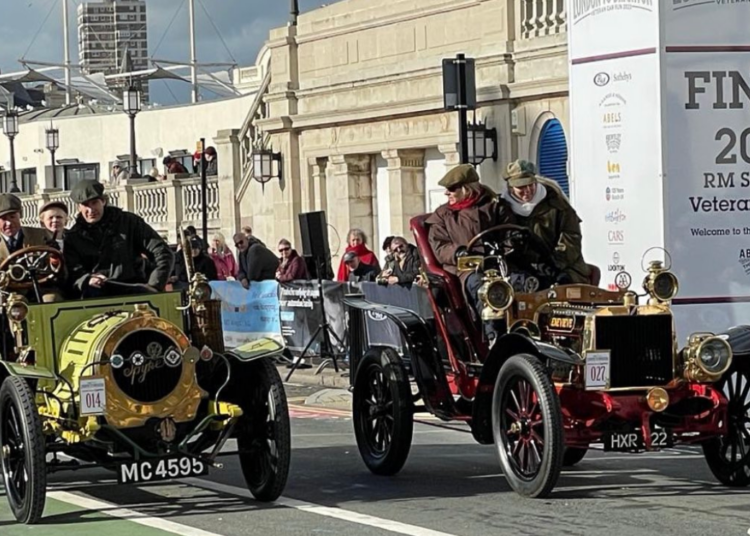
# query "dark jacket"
(175, 167)
(556, 222)
(202, 263)
(450, 229)
(113, 247)
(295, 269)
(364, 272)
(257, 262)
(410, 270)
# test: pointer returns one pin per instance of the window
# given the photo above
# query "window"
(145, 166)
(75, 173)
(25, 180)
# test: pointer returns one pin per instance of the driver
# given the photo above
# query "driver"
(471, 208)
(106, 243)
(540, 205)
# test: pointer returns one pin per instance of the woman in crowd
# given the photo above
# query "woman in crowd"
(226, 265)
(357, 242)
(292, 267)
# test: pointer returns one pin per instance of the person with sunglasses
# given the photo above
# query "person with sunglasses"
(471, 208)
(292, 267)
(256, 262)
(403, 269)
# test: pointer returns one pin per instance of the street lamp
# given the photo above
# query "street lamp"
(10, 128)
(266, 166)
(460, 93)
(53, 142)
(131, 104)
(482, 142)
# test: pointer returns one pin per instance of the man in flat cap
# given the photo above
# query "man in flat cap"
(106, 244)
(471, 208)
(539, 204)
(15, 236)
(54, 218)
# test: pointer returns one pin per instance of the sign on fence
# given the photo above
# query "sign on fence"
(248, 314)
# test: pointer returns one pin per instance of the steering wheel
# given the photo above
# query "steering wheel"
(509, 238)
(40, 263)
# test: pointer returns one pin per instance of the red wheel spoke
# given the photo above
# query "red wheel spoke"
(513, 415)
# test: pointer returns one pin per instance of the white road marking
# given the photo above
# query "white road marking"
(113, 510)
(327, 511)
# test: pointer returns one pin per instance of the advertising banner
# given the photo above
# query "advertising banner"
(301, 314)
(248, 314)
(707, 143)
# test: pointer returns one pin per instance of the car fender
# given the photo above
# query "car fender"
(506, 347)
(738, 338)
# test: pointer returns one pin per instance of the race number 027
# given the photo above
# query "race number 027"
(724, 156)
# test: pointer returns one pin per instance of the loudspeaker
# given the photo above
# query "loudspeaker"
(314, 230)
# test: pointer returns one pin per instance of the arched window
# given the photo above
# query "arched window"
(552, 157)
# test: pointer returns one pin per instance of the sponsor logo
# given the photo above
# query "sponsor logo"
(613, 142)
(601, 79)
(614, 194)
(377, 317)
(622, 77)
(744, 260)
(613, 169)
(682, 4)
(615, 216)
(616, 266)
(616, 237)
(583, 9)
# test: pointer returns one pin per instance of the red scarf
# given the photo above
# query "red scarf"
(365, 255)
(466, 203)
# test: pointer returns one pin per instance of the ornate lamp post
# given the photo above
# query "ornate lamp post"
(10, 128)
(267, 165)
(482, 143)
(131, 104)
(52, 136)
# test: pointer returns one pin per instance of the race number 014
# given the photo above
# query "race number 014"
(724, 156)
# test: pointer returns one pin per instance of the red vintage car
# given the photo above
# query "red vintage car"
(575, 365)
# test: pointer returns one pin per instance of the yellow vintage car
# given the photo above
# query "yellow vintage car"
(140, 384)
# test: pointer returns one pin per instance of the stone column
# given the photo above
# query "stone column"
(227, 144)
(406, 182)
(349, 194)
(452, 155)
(318, 187)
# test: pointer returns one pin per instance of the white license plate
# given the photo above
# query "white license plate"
(597, 370)
(160, 469)
(93, 396)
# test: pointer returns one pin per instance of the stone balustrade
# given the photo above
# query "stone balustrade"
(165, 205)
(542, 17)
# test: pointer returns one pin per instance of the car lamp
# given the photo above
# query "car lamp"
(657, 399)
(661, 284)
(17, 309)
(497, 295)
(707, 357)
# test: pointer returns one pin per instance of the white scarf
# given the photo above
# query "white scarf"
(525, 209)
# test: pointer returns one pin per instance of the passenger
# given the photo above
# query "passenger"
(15, 236)
(471, 208)
(103, 251)
(539, 204)
(54, 218)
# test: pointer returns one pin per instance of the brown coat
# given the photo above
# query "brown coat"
(451, 229)
(32, 236)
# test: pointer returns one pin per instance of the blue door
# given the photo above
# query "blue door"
(552, 159)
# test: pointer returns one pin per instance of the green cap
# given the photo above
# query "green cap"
(86, 190)
(9, 203)
(520, 173)
(459, 175)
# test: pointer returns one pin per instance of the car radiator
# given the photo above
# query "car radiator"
(641, 349)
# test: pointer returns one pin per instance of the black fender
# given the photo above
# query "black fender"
(738, 338)
(506, 347)
(421, 355)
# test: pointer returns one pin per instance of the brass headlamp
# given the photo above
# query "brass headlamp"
(707, 357)
(496, 294)
(660, 283)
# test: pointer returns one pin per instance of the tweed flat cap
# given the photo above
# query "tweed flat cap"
(9, 203)
(54, 204)
(520, 173)
(459, 175)
(86, 190)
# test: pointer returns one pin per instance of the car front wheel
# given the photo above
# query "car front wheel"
(527, 426)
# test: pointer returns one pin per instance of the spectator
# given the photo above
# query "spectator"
(248, 231)
(387, 250)
(120, 174)
(201, 262)
(173, 166)
(196, 162)
(292, 267)
(190, 231)
(226, 265)
(357, 242)
(405, 266)
(212, 165)
(154, 175)
(358, 270)
(256, 262)
(54, 218)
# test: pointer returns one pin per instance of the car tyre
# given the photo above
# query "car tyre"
(728, 457)
(22, 451)
(527, 426)
(573, 455)
(383, 412)
(264, 433)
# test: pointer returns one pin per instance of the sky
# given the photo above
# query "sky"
(243, 24)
